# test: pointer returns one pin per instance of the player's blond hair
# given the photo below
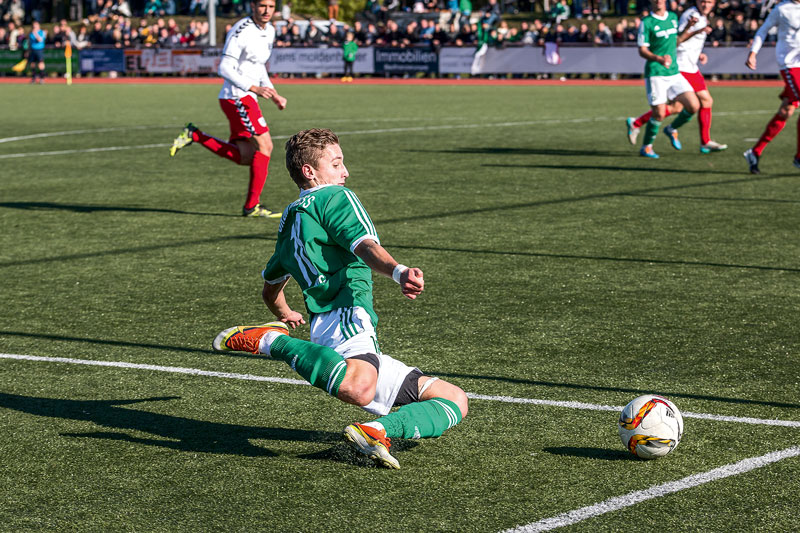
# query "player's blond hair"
(305, 148)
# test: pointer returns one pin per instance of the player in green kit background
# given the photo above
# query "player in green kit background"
(658, 43)
(328, 244)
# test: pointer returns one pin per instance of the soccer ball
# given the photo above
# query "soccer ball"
(650, 426)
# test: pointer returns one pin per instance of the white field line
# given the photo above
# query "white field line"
(45, 135)
(504, 399)
(656, 491)
(340, 133)
(618, 408)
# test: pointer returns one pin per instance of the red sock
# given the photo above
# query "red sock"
(258, 176)
(704, 121)
(641, 121)
(774, 127)
(221, 148)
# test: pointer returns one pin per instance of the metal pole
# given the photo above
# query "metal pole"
(212, 22)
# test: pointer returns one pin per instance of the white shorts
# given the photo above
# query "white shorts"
(663, 89)
(350, 332)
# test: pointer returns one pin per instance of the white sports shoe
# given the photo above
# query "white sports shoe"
(633, 132)
(712, 146)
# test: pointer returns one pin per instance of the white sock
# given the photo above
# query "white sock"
(376, 425)
(266, 341)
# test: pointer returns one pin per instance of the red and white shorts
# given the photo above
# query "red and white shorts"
(791, 85)
(244, 116)
(696, 80)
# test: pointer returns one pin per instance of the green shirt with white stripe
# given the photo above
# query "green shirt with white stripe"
(660, 35)
(316, 238)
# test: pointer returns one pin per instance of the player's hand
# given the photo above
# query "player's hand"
(411, 283)
(708, 30)
(279, 101)
(751, 61)
(702, 58)
(666, 60)
(264, 92)
(293, 319)
(692, 21)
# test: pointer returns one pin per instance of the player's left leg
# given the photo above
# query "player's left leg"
(428, 407)
(691, 105)
(440, 406)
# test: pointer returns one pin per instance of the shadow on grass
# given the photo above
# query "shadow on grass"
(79, 208)
(173, 432)
(591, 453)
(135, 249)
(644, 260)
(581, 198)
(535, 383)
(505, 150)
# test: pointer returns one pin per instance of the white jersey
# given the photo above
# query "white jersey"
(244, 58)
(786, 16)
(689, 50)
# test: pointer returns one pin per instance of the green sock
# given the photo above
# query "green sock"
(321, 366)
(650, 132)
(681, 119)
(421, 419)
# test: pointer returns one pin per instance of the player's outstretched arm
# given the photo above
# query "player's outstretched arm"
(276, 302)
(378, 259)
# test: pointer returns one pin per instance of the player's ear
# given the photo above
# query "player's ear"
(308, 171)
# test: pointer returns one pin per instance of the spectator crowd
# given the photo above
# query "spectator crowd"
(431, 23)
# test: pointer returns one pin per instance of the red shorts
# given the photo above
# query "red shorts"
(245, 117)
(791, 85)
(696, 80)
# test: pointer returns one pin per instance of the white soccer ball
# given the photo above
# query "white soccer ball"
(650, 426)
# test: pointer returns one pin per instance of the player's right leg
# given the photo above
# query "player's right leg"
(656, 88)
(321, 366)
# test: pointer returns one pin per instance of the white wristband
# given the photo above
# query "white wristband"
(399, 269)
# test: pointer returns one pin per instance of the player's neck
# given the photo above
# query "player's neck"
(260, 23)
(662, 13)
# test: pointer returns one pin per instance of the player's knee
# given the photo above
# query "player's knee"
(462, 401)
(459, 397)
(358, 390)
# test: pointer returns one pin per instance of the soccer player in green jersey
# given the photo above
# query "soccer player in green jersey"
(328, 244)
(658, 43)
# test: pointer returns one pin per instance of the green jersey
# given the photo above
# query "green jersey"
(350, 49)
(661, 36)
(316, 238)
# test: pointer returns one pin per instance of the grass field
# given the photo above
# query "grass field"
(560, 267)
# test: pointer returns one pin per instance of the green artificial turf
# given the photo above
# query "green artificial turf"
(559, 265)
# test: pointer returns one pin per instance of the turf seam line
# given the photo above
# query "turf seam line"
(656, 491)
(288, 381)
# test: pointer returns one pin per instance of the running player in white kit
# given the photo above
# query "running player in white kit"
(693, 29)
(248, 47)
(786, 16)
